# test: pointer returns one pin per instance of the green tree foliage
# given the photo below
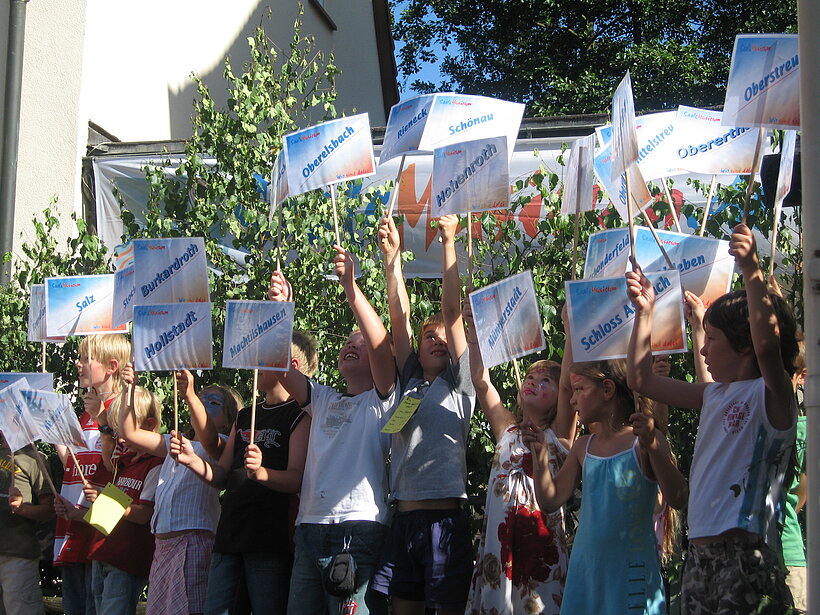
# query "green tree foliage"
(568, 57)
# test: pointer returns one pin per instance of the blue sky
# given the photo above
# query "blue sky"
(429, 72)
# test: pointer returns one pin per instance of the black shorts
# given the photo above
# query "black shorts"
(428, 557)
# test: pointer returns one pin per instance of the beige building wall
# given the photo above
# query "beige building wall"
(126, 66)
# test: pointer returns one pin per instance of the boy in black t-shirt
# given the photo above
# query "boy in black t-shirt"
(253, 539)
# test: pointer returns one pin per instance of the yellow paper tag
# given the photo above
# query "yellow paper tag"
(108, 509)
(407, 408)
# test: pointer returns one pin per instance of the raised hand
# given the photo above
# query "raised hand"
(185, 383)
(448, 227)
(389, 240)
(742, 246)
(280, 289)
(693, 309)
(343, 264)
(639, 290)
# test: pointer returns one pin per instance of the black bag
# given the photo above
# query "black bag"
(340, 578)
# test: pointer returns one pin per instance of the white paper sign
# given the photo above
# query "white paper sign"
(656, 144)
(124, 292)
(37, 316)
(601, 316)
(170, 270)
(624, 138)
(43, 381)
(617, 189)
(704, 264)
(258, 335)
(81, 305)
(328, 153)
(405, 126)
(471, 176)
(53, 418)
(784, 173)
(172, 336)
(577, 194)
(702, 144)
(455, 118)
(15, 422)
(507, 319)
(764, 82)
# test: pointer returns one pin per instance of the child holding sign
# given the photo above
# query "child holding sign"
(98, 370)
(343, 499)
(187, 510)
(253, 537)
(122, 559)
(428, 555)
(522, 556)
(744, 440)
(614, 567)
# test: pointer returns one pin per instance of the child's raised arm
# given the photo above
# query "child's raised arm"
(551, 494)
(764, 329)
(398, 301)
(694, 310)
(499, 417)
(565, 424)
(382, 361)
(204, 428)
(451, 288)
(640, 377)
(142, 440)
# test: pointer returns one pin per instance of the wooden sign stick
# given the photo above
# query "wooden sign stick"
(394, 195)
(755, 165)
(253, 406)
(708, 205)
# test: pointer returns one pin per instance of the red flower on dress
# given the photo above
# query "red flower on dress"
(528, 548)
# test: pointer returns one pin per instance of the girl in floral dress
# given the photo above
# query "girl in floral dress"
(522, 556)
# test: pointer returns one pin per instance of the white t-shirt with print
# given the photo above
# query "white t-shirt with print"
(345, 477)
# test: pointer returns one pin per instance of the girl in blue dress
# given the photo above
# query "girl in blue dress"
(614, 567)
